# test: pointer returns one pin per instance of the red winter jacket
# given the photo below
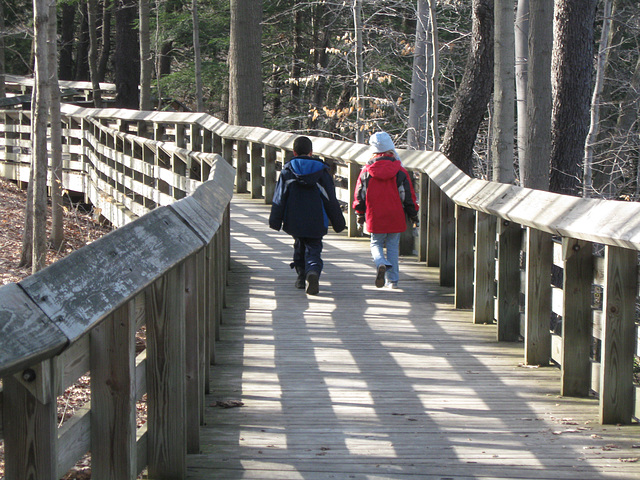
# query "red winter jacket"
(384, 194)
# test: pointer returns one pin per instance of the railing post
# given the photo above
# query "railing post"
(241, 167)
(508, 292)
(433, 225)
(464, 231)
(618, 335)
(269, 173)
(255, 160)
(354, 173)
(30, 427)
(227, 150)
(165, 308)
(485, 269)
(423, 200)
(113, 395)
(192, 335)
(537, 299)
(577, 317)
(447, 241)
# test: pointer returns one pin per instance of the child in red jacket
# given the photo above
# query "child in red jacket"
(384, 196)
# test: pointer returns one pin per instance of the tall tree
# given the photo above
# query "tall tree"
(3, 92)
(535, 159)
(572, 72)
(105, 51)
(521, 44)
(418, 108)
(359, 64)
(57, 217)
(146, 66)
(92, 9)
(196, 54)
(126, 58)
(594, 127)
(40, 108)
(504, 93)
(474, 92)
(245, 63)
(67, 40)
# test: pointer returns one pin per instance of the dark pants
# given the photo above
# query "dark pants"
(306, 254)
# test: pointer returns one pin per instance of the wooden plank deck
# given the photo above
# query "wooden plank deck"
(365, 383)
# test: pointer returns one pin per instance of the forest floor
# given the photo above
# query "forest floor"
(80, 229)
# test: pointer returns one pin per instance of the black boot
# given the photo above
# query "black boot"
(312, 282)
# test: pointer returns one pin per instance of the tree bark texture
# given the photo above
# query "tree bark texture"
(146, 66)
(105, 52)
(126, 58)
(245, 63)
(572, 73)
(521, 42)
(67, 41)
(81, 71)
(535, 160)
(417, 132)
(93, 52)
(57, 215)
(474, 92)
(3, 92)
(502, 140)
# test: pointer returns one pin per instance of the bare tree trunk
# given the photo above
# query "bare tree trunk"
(57, 216)
(39, 135)
(93, 53)
(503, 93)
(127, 57)
(357, 26)
(145, 55)
(594, 128)
(521, 42)
(536, 158)
(321, 36)
(296, 69)
(418, 107)
(245, 63)
(67, 39)
(433, 71)
(106, 39)
(81, 70)
(196, 51)
(3, 91)
(474, 92)
(572, 73)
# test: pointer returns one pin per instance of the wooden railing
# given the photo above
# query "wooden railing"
(497, 245)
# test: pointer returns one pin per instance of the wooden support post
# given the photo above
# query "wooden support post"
(269, 173)
(537, 299)
(212, 291)
(165, 308)
(485, 269)
(181, 138)
(255, 160)
(192, 350)
(447, 242)
(203, 363)
(354, 173)
(241, 167)
(227, 150)
(423, 200)
(577, 317)
(113, 395)
(464, 231)
(618, 335)
(508, 291)
(30, 431)
(433, 225)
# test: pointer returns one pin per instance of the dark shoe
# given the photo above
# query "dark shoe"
(300, 279)
(380, 276)
(312, 283)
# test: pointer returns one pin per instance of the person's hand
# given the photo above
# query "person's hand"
(360, 219)
(415, 221)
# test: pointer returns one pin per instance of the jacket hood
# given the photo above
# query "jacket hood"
(384, 168)
(307, 170)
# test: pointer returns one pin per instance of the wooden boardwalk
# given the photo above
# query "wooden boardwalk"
(365, 383)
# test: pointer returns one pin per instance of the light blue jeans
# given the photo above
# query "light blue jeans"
(392, 242)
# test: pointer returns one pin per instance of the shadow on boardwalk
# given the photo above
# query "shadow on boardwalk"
(366, 383)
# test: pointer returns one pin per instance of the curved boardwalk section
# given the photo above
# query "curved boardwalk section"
(366, 383)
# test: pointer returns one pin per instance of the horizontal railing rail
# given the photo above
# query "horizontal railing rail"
(518, 257)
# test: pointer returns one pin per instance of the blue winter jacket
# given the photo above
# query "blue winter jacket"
(304, 201)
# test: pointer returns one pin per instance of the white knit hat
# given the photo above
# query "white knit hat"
(381, 142)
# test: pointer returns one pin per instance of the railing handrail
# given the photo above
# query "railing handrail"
(610, 222)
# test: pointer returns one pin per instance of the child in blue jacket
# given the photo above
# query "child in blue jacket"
(304, 202)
